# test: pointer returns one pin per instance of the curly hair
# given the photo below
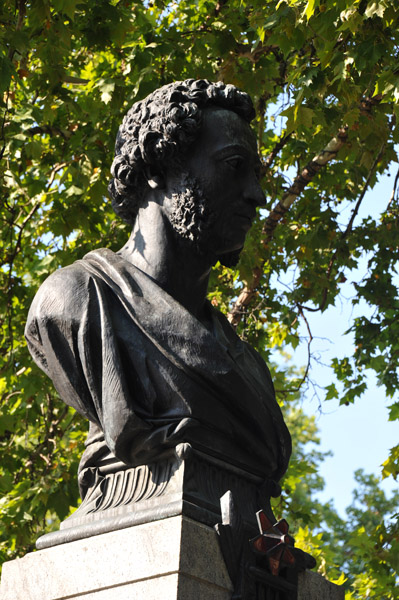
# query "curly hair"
(158, 130)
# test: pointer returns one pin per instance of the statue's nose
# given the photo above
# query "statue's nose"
(254, 193)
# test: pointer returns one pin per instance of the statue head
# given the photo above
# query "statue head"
(157, 132)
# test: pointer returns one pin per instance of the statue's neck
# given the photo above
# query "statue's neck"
(154, 248)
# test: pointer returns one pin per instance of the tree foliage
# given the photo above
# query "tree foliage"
(325, 82)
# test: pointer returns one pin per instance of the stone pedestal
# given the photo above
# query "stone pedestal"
(170, 559)
(175, 558)
(312, 586)
(184, 482)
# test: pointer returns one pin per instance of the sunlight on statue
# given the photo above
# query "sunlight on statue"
(129, 338)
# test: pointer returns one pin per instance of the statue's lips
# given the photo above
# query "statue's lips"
(246, 219)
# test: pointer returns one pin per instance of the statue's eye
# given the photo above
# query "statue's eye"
(234, 161)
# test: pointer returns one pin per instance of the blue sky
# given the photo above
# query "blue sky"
(358, 435)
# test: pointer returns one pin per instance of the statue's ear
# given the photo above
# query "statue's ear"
(155, 177)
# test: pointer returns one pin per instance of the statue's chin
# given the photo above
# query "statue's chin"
(229, 259)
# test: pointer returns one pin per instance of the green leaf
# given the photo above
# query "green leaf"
(374, 9)
(394, 411)
(332, 392)
(310, 8)
(73, 190)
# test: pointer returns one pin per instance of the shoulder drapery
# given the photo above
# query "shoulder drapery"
(148, 374)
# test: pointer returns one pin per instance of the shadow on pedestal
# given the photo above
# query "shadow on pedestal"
(188, 527)
(185, 482)
(260, 556)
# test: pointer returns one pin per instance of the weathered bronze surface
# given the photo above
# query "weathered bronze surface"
(129, 338)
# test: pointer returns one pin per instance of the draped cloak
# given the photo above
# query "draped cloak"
(148, 375)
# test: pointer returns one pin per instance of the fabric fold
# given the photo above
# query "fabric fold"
(148, 374)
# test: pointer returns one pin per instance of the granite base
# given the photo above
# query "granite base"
(175, 558)
(313, 586)
(170, 559)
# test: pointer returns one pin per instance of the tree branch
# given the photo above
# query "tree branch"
(302, 180)
(309, 357)
(278, 212)
(47, 129)
(28, 217)
(395, 185)
(279, 146)
(347, 231)
(17, 248)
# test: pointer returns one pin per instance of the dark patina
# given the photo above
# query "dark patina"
(181, 410)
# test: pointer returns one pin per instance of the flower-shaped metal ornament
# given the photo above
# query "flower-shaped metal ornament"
(274, 543)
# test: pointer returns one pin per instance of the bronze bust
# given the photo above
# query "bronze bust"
(129, 338)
